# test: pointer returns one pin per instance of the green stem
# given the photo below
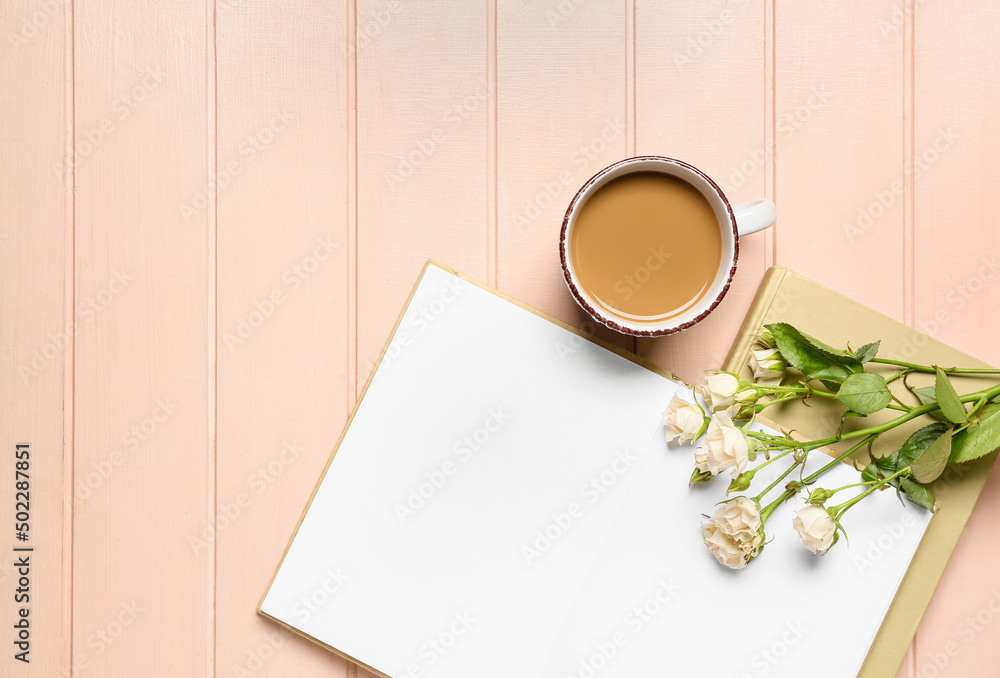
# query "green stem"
(759, 435)
(930, 368)
(778, 480)
(912, 414)
(847, 487)
(778, 388)
(760, 407)
(803, 390)
(766, 512)
(902, 407)
(901, 373)
(812, 478)
(975, 408)
(809, 391)
(779, 441)
(869, 434)
(842, 508)
(773, 459)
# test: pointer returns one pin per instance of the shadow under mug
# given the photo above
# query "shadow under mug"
(734, 221)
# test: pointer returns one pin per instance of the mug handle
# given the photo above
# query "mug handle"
(754, 216)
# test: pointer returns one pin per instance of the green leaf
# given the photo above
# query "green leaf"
(947, 398)
(929, 465)
(825, 347)
(926, 396)
(918, 494)
(980, 438)
(864, 393)
(911, 450)
(871, 473)
(867, 352)
(918, 443)
(812, 357)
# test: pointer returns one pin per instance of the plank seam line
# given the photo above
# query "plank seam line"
(353, 378)
(770, 125)
(631, 100)
(69, 351)
(631, 81)
(909, 160)
(211, 162)
(909, 201)
(492, 112)
(351, 160)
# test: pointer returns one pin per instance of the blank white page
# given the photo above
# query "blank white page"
(507, 425)
(657, 603)
(503, 503)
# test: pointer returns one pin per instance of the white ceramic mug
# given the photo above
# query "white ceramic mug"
(734, 222)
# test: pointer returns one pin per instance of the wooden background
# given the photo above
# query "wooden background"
(213, 212)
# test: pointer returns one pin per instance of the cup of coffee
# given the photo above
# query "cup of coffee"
(649, 245)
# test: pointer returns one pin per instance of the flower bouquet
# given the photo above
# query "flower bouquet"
(789, 365)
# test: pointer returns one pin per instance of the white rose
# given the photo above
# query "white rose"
(701, 461)
(724, 446)
(720, 390)
(682, 420)
(815, 526)
(734, 534)
(723, 547)
(739, 518)
(768, 366)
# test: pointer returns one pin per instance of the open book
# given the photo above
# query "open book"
(503, 503)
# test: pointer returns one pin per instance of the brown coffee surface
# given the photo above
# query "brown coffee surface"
(646, 247)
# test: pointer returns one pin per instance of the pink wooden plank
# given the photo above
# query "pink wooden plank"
(839, 130)
(283, 330)
(33, 309)
(956, 272)
(562, 116)
(700, 97)
(141, 595)
(423, 173)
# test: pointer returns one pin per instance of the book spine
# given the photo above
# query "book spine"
(736, 360)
